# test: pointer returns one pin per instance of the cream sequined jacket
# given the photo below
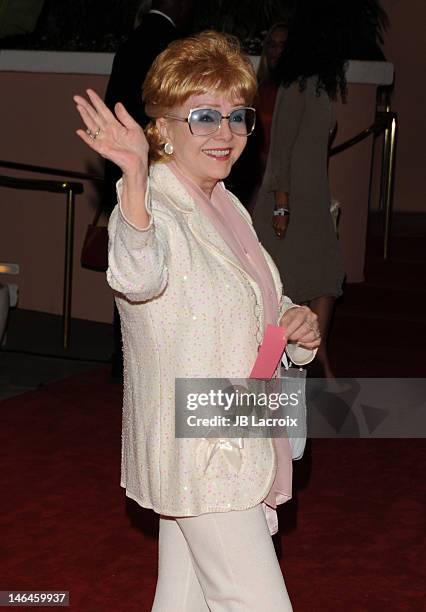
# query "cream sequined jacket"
(187, 309)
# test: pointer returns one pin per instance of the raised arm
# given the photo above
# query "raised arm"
(137, 251)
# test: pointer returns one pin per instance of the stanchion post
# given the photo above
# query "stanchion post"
(69, 250)
(390, 178)
(385, 160)
(370, 180)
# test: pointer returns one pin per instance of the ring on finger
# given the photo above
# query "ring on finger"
(89, 133)
(314, 328)
(96, 134)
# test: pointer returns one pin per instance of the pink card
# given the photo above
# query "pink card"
(270, 352)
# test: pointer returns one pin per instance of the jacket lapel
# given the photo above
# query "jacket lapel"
(169, 186)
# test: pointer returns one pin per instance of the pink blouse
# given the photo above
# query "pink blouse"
(238, 235)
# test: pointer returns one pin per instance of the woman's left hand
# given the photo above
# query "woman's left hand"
(280, 225)
(301, 326)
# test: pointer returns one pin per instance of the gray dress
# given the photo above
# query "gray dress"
(308, 257)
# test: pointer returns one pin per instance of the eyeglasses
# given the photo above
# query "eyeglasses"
(205, 121)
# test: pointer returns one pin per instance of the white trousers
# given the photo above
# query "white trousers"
(219, 562)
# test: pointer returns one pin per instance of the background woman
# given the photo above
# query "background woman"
(292, 215)
(194, 291)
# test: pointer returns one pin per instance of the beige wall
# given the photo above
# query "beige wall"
(405, 46)
(349, 176)
(38, 127)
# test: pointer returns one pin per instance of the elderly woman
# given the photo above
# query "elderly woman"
(195, 291)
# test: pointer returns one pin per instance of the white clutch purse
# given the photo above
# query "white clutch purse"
(294, 381)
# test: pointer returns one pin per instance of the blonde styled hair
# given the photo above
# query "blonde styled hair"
(203, 63)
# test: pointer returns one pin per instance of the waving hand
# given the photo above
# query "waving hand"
(118, 137)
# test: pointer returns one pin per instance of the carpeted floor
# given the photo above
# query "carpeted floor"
(380, 325)
(352, 539)
(32, 353)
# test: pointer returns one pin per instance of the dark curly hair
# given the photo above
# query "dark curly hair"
(323, 35)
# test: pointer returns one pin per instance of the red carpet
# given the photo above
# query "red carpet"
(352, 539)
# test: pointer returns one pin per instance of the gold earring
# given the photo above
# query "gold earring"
(168, 148)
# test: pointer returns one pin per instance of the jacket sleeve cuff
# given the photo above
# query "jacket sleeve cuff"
(273, 181)
(298, 354)
(137, 257)
(270, 181)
